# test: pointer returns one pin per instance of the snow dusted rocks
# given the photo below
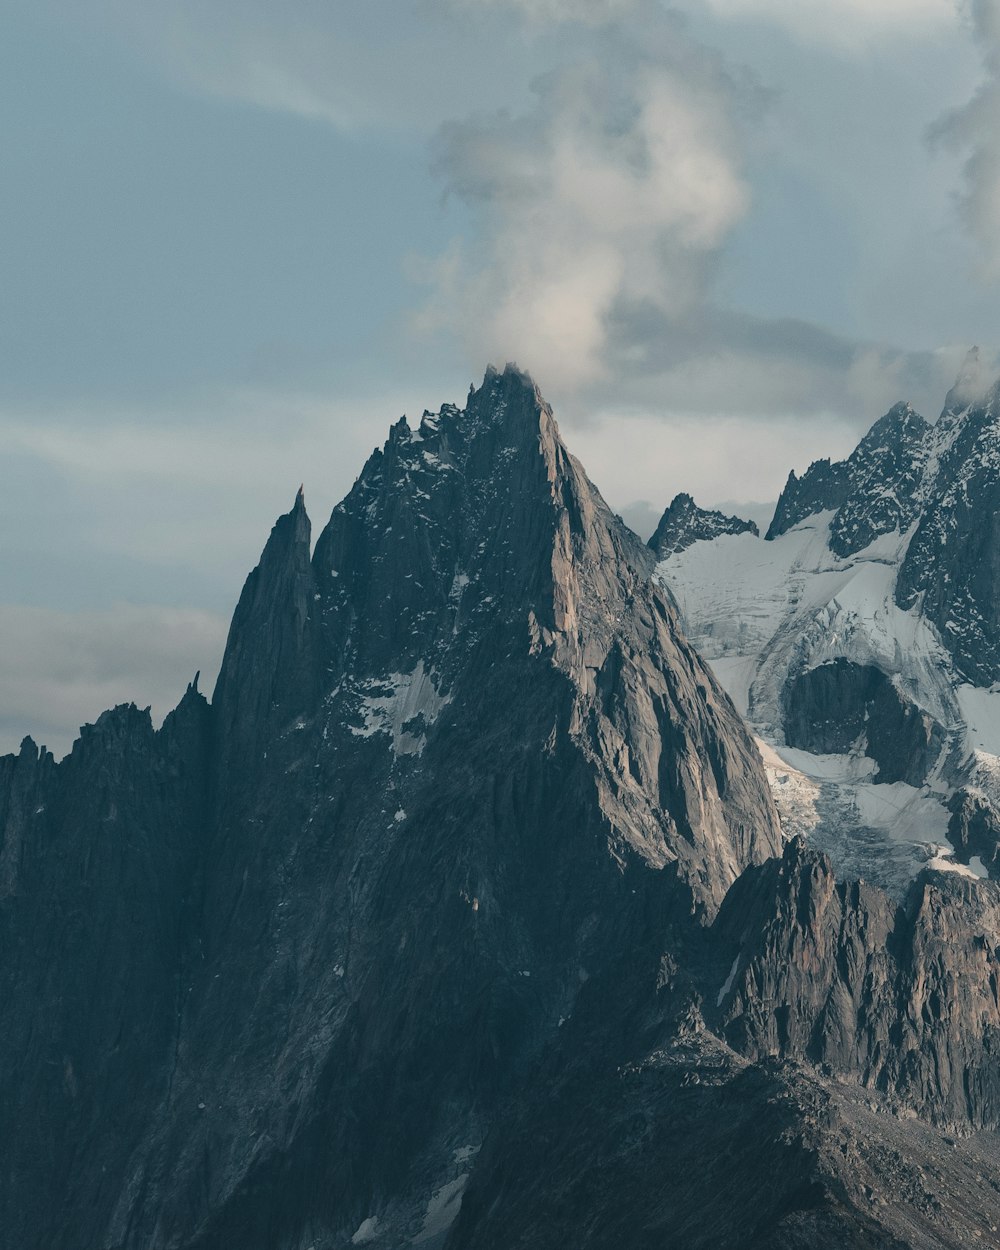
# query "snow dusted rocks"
(878, 571)
(884, 474)
(951, 570)
(685, 523)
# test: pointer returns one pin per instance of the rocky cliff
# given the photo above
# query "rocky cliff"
(269, 972)
(461, 917)
(685, 523)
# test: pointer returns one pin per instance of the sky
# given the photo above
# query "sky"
(239, 239)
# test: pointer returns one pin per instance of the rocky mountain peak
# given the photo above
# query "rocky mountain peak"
(468, 837)
(823, 486)
(968, 385)
(873, 492)
(478, 534)
(684, 523)
(884, 475)
(268, 667)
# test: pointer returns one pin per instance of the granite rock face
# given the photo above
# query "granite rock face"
(903, 998)
(806, 1099)
(685, 523)
(462, 917)
(702, 1149)
(298, 946)
(98, 926)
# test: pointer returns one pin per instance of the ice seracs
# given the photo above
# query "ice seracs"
(865, 631)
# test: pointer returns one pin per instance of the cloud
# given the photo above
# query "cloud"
(358, 67)
(844, 24)
(59, 670)
(615, 190)
(975, 129)
(593, 12)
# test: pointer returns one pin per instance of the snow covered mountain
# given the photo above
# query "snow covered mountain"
(861, 639)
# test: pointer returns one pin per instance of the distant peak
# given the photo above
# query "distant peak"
(969, 383)
(901, 420)
(684, 524)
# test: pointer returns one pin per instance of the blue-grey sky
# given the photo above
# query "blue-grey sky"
(238, 239)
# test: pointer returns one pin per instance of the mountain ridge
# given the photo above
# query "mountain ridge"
(459, 756)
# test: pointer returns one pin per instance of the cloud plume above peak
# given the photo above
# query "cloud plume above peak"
(975, 130)
(616, 190)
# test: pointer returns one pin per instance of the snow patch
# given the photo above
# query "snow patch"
(760, 612)
(367, 1232)
(442, 1210)
(942, 861)
(981, 712)
(402, 705)
(728, 983)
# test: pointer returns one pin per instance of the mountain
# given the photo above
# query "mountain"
(462, 916)
(685, 523)
(862, 638)
(273, 968)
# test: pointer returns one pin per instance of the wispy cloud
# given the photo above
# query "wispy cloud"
(975, 130)
(616, 190)
(357, 67)
(593, 12)
(846, 25)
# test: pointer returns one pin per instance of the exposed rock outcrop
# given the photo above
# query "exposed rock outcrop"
(974, 830)
(685, 523)
(456, 762)
(822, 487)
(841, 706)
(903, 998)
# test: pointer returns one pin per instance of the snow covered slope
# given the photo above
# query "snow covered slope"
(873, 721)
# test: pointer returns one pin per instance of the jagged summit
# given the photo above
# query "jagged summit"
(872, 492)
(870, 633)
(459, 756)
(466, 882)
(684, 523)
(968, 385)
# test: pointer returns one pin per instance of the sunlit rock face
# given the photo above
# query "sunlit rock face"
(270, 973)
